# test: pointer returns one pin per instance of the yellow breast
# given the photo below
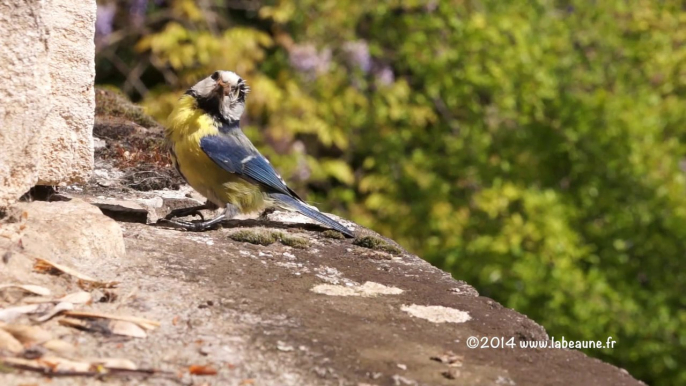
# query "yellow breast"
(187, 126)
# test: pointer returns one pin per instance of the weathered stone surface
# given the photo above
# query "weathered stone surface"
(140, 210)
(67, 136)
(70, 230)
(47, 56)
(323, 315)
(24, 94)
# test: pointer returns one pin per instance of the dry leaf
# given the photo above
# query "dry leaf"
(10, 343)
(71, 322)
(117, 363)
(62, 364)
(37, 300)
(91, 285)
(120, 327)
(106, 326)
(65, 303)
(80, 297)
(27, 334)
(202, 370)
(84, 281)
(56, 366)
(59, 346)
(34, 289)
(95, 325)
(22, 363)
(12, 313)
(145, 323)
(59, 308)
(43, 265)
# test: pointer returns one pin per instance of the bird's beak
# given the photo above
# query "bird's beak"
(224, 87)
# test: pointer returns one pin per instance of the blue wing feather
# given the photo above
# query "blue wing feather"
(244, 161)
(312, 213)
(236, 155)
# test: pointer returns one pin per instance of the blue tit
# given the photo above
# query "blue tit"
(215, 157)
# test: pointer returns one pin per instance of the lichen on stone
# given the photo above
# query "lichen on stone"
(266, 237)
(378, 244)
(368, 290)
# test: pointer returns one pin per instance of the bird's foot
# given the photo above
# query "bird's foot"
(192, 226)
(265, 213)
(183, 212)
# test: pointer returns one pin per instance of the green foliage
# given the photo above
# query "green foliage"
(531, 148)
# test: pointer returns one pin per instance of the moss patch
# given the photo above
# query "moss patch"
(376, 243)
(293, 241)
(264, 237)
(333, 234)
(254, 237)
(112, 104)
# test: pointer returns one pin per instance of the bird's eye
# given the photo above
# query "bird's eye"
(215, 76)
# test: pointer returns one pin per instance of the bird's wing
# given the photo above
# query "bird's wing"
(245, 161)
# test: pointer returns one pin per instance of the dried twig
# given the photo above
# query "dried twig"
(145, 323)
(95, 370)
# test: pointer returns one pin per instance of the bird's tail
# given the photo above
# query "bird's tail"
(311, 212)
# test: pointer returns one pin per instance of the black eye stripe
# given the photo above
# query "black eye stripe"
(215, 76)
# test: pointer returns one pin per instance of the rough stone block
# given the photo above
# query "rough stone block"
(47, 57)
(24, 94)
(71, 231)
(67, 152)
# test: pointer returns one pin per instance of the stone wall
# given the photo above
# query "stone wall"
(67, 154)
(24, 94)
(46, 92)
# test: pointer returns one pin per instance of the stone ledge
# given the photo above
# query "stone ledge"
(330, 313)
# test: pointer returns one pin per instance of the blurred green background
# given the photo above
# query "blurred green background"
(532, 148)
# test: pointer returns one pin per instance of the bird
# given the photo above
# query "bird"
(214, 156)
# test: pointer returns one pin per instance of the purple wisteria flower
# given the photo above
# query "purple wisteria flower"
(357, 54)
(384, 75)
(137, 10)
(104, 19)
(305, 58)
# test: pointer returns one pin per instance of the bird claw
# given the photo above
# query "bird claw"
(192, 226)
(265, 213)
(183, 212)
(185, 225)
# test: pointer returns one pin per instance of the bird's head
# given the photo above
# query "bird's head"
(222, 95)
